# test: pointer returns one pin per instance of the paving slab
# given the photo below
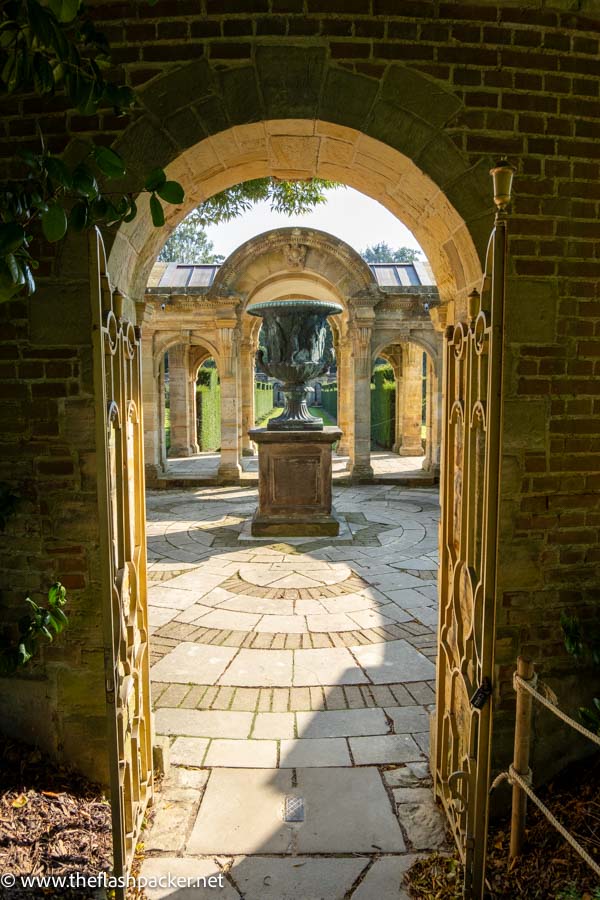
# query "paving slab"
(203, 878)
(380, 750)
(341, 723)
(347, 811)
(314, 752)
(242, 754)
(203, 722)
(296, 878)
(394, 661)
(423, 822)
(408, 719)
(335, 666)
(172, 820)
(241, 813)
(192, 663)
(259, 668)
(275, 725)
(171, 598)
(160, 615)
(188, 751)
(384, 880)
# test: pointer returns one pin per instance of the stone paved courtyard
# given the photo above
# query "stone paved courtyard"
(299, 668)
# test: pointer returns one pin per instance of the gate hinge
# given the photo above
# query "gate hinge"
(479, 698)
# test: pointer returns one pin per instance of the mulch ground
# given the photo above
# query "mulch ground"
(52, 822)
(549, 868)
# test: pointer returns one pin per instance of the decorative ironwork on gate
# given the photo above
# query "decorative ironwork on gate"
(119, 441)
(468, 552)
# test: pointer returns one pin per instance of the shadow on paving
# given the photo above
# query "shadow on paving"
(356, 778)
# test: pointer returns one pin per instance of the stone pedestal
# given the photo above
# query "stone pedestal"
(294, 483)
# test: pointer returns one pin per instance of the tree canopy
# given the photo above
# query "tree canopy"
(383, 253)
(189, 242)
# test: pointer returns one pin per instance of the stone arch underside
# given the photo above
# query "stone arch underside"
(294, 115)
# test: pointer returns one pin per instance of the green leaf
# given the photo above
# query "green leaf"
(171, 192)
(54, 223)
(43, 78)
(12, 236)
(29, 279)
(109, 162)
(65, 10)
(13, 267)
(85, 183)
(24, 654)
(8, 287)
(132, 212)
(57, 594)
(157, 212)
(78, 217)
(155, 180)
(58, 171)
(99, 208)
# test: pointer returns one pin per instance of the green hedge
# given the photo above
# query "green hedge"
(329, 393)
(208, 400)
(383, 406)
(263, 400)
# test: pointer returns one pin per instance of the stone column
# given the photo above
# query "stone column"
(345, 396)
(360, 467)
(229, 467)
(431, 463)
(193, 411)
(247, 391)
(152, 384)
(179, 401)
(412, 398)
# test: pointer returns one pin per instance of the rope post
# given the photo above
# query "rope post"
(526, 671)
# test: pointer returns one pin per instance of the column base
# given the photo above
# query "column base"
(229, 474)
(361, 472)
(152, 473)
(179, 450)
(294, 478)
(411, 450)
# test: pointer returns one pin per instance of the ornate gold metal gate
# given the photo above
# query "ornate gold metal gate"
(468, 553)
(119, 442)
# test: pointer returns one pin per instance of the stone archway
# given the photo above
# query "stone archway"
(188, 300)
(392, 156)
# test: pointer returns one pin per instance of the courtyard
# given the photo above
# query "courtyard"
(293, 668)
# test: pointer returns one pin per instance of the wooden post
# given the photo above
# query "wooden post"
(525, 669)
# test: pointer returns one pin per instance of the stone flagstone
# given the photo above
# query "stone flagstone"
(192, 663)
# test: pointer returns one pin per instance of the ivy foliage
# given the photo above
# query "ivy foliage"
(48, 48)
(38, 622)
(584, 646)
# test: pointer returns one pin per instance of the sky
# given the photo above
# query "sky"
(348, 214)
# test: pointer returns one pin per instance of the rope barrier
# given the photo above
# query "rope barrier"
(556, 710)
(519, 774)
(514, 778)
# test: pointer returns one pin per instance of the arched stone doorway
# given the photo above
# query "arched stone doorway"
(284, 263)
(305, 148)
(308, 146)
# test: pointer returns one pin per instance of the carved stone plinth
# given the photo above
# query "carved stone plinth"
(294, 483)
